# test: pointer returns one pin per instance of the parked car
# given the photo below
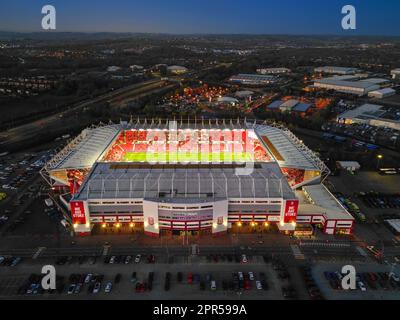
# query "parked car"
(108, 288)
(97, 287)
(213, 285)
(137, 258)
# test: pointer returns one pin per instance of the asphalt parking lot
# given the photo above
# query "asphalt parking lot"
(200, 268)
(380, 293)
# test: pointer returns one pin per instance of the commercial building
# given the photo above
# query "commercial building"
(346, 85)
(382, 93)
(336, 70)
(273, 70)
(395, 73)
(200, 177)
(371, 114)
(252, 79)
(177, 70)
(288, 105)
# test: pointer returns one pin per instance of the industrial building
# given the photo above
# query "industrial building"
(371, 114)
(336, 70)
(177, 70)
(252, 79)
(346, 84)
(395, 73)
(382, 93)
(199, 177)
(273, 70)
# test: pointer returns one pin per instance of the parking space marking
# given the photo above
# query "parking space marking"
(297, 252)
(38, 252)
(106, 250)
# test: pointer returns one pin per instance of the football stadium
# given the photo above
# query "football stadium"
(198, 177)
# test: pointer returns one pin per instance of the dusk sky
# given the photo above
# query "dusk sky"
(374, 17)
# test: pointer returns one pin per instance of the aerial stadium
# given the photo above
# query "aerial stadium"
(199, 177)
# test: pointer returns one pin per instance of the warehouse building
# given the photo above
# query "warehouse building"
(252, 79)
(336, 70)
(345, 85)
(395, 73)
(371, 114)
(382, 93)
(273, 70)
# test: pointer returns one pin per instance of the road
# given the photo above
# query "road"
(53, 122)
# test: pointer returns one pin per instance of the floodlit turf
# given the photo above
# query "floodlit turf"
(193, 157)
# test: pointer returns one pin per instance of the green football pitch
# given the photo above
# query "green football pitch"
(193, 157)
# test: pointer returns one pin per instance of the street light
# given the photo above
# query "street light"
(380, 157)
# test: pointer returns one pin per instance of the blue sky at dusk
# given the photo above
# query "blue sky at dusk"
(374, 17)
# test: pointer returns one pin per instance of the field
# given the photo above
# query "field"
(192, 157)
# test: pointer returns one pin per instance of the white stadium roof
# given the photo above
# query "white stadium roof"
(322, 198)
(293, 153)
(84, 151)
(171, 183)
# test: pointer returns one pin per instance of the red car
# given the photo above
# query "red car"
(247, 285)
(140, 288)
(190, 278)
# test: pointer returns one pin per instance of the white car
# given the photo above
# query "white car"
(241, 277)
(108, 288)
(362, 286)
(395, 277)
(259, 285)
(213, 285)
(88, 278)
(137, 258)
(97, 287)
(112, 260)
(251, 276)
(71, 289)
(244, 258)
(128, 259)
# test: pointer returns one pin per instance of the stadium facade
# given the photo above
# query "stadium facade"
(195, 176)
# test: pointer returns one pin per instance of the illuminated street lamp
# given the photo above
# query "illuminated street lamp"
(118, 225)
(239, 224)
(103, 225)
(132, 225)
(380, 157)
(266, 224)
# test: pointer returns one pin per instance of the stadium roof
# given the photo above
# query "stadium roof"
(286, 149)
(321, 197)
(110, 181)
(84, 151)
